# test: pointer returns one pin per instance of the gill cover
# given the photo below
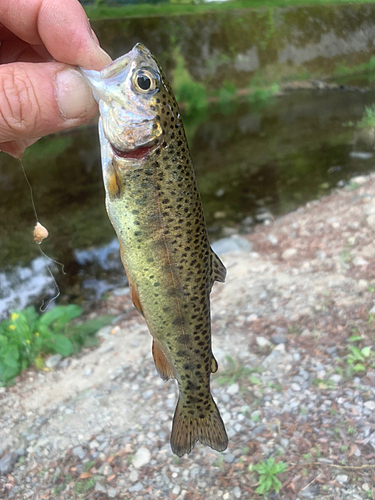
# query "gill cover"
(125, 91)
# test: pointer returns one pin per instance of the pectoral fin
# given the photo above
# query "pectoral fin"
(135, 297)
(162, 364)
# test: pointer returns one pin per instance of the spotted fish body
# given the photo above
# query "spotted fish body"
(154, 205)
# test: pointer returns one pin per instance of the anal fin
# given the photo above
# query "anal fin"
(162, 364)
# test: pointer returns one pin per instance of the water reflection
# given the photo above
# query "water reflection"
(250, 162)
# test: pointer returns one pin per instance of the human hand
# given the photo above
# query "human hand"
(41, 91)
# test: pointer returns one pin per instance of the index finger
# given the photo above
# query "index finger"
(62, 27)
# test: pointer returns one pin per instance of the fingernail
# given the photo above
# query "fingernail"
(73, 95)
(102, 55)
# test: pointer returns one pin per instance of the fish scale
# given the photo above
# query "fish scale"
(154, 205)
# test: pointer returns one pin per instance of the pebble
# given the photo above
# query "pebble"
(272, 239)
(52, 361)
(289, 253)
(233, 389)
(112, 492)
(133, 476)
(370, 405)
(262, 341)
(7, 463)
(229, 458)
(342, 478)
(100, 488)
(141, 457)
(136, 487)
(79, 452)
(278, 338)
(233, 244)
(105, 470)
(359, 261)
(296, 387)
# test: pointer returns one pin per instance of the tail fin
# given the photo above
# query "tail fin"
(205, 426)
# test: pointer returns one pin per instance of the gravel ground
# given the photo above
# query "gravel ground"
(98, 425)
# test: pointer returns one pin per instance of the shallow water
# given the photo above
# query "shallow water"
(252, 163)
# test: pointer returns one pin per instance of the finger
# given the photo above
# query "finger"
(62, 27)
(17, 148)
(18, 50)
(38, 99)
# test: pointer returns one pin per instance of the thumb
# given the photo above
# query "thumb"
(39, 99)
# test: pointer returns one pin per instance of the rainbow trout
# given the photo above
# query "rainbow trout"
(154, 205)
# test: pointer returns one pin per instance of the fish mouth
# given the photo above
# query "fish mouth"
(134, 154)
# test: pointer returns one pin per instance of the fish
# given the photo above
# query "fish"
(154, 205)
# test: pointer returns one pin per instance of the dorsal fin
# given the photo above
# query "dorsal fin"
(162, 364)
(218, 271)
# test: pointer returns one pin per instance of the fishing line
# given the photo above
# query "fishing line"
(40, 233)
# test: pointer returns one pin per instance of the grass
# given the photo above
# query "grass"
(102, 11)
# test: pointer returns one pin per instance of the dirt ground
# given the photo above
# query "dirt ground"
(296, 309)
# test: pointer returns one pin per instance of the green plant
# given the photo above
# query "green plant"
(358, 358)
(368, 119)
(268, 471)
(187, 90)
(26, 337)
(235, 372)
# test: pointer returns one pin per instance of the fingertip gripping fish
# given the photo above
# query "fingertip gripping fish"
(153, 202)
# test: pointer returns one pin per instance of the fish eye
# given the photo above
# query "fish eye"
(144, 81)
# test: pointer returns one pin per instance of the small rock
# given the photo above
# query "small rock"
(229, 458)
(361, 179)
(262, 341)
(20, 452)
(176, 489)
(335, 378)
(136, 487)
(365, 487)
(237, 492)
(342, 478)
(295, 387)
(248, 221)
(233, 389)
(99, 487)
(362, 155)
(272, 239)
(88, 371)
(79, 452)
(233, 244)
(319, 254)
(278, 338)
(371, 221)
(133, 476)
(288, 253)
(141, 457)
(370, 405)
(105, 470)
(360, 261)
(53, 361)
(112, 492)
(7, 463)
